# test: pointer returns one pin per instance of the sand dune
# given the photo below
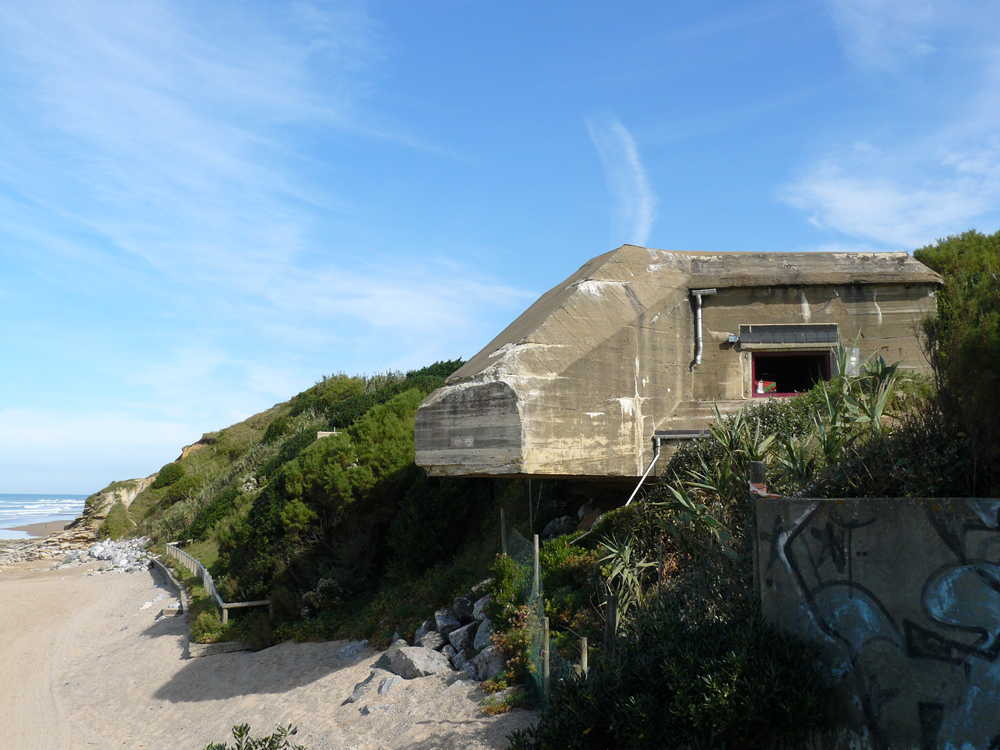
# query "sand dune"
(85, 666)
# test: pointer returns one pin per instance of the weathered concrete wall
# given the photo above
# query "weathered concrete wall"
(578, 384)
(904, 596)
(881, 318)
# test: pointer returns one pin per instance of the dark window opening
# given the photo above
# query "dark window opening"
(788, 373)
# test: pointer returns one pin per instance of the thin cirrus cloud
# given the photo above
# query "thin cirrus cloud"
(884, 34)
(128, 110)
(870, 195)
(634, 199)
(938, 174)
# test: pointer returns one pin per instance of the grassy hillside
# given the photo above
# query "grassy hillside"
(344, 533)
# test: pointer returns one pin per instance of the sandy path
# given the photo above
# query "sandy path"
(83, 666)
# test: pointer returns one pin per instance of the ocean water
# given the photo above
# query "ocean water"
(20, 510)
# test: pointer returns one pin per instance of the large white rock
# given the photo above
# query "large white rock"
(413, 661)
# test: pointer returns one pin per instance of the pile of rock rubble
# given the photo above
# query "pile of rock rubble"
(126, 556)
(67, 550)
(51, 547)
(457, 639)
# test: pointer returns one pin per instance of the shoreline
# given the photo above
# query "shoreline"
(33, 531)
(41, 528)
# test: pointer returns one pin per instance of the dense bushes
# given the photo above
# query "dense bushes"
(327, 510)
(117, 523)
(682, 678)
(168, 475)
(433, 515)
(964, 345)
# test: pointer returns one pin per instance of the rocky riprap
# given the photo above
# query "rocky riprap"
(456, 640)
(73, 547)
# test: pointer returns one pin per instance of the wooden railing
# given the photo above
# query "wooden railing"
(201, 571)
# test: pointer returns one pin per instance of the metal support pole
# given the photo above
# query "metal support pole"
(611, 623)
(583, 656)
(546, 664)
(659, 576)
(538, 580)
(531, 518)
(225, 615)
(503, 533)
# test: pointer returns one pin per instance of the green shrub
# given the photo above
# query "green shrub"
(275, 430)
(180, 489)
(681, 678)
(278, 740)
(508, 591)
(207, 627)
(117, 523)
(964, 344)
(433, 513)
(217, 509)
(168, 475)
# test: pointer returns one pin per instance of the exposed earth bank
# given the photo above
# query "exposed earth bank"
(88, 662)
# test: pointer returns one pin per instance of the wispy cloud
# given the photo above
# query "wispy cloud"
(884, 34)
(902, 200)
(930, 176)
(634, 199)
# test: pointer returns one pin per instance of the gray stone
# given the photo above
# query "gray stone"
(483, 635)
(479, 608)
(389, 683)
(462, 638)
(385, 660)
(432, 640)
(445, 621)
(450, 652)
(365, 710)
(423, 630)
(558, 527)
(481, 589)
(351, 650)
(365, 686)
(462, 606)
(411, 662)
(458, 661)
(488, 663)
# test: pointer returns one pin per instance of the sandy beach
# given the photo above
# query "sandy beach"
(44, 528)
(87, 664)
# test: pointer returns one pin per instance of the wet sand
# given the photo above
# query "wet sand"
(43, 529)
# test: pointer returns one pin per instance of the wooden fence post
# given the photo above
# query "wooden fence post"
(583, 656)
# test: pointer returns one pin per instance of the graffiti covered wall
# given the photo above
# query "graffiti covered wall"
(904, 594)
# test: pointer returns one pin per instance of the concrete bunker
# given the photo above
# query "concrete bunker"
(634, 350)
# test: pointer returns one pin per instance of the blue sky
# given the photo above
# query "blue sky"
(205, 207)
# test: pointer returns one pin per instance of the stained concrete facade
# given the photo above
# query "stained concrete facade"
(903, 596)
(580, 382)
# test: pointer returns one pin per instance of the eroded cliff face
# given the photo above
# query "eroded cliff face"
(100, 503)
